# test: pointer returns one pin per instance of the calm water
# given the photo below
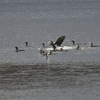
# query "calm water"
(72, 75)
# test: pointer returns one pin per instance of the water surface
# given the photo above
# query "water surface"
(68, 75)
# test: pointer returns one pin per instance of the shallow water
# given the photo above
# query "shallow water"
(50, 81)
(70, 75)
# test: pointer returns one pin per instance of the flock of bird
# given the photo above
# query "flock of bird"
(56, 46)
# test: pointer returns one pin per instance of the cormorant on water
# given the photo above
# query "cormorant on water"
(18, 50)
(40, 50)
(49, 52)
(53, 45)
(43, 53)
(58, 42)
(73, 42)
(26, 44)
(43, 45)
(93, 45)
(79, 48)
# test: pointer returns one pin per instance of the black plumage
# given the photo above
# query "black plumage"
(17, 50)
(60, 40)
(93, 45)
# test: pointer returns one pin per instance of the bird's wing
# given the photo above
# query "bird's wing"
(60, 40)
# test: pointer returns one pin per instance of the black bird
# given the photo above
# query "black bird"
(73, 42)
(79, 48)
(58, 42)
(26, 44)
(93, 45)
(17, 50)
(40, 50)
(48, 53)
(52, 44)
(43, 44)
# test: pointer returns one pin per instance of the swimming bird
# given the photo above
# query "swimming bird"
(52, 44)
(17, 50)
(93, 45)
(46, 53)
(79, 48)
(43, 53)
(49, 52)
(63, 50)
(26, 44)
(73, 42)
(43, 44)
(40, 50)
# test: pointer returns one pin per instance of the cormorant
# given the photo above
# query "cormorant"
(73, 42)
(43, 44)
(40, 50)
(79, 48)
(93, 45)
(26, 44)
(18, 50)
(58, 42)
(49, 52)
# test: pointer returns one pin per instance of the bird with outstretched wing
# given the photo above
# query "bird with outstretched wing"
(60, 40)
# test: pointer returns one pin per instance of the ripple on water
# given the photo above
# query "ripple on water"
(13, 77)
